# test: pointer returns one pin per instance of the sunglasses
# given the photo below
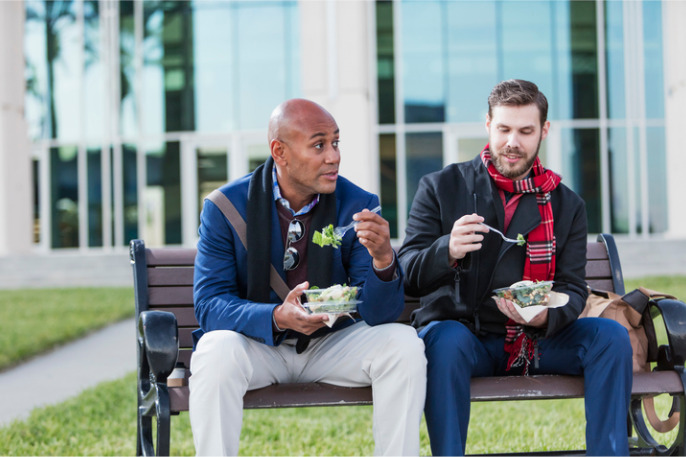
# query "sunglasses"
(291, 257)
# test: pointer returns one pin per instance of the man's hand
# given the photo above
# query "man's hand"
(508, 308)
(374, 234)
(291, 314)
(464, 236)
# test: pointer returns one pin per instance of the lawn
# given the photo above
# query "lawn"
(35, 320)
(101, 421)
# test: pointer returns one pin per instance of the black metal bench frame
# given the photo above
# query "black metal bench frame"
(163, 284)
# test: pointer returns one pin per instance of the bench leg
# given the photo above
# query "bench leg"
(646, 441)
(154, 403)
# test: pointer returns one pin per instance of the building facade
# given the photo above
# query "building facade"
(119, 116)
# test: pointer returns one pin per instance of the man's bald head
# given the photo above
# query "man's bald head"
(293, 115)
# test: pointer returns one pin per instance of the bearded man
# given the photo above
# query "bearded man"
(454, 262)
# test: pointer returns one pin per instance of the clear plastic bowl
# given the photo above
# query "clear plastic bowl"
(334, 299)
(527, 293)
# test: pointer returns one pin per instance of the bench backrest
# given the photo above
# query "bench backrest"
(163, 280)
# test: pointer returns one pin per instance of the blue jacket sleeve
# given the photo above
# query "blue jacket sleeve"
(217, 289)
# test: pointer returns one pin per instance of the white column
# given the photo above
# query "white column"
(335, 73)
(16, 191)
(674, 39)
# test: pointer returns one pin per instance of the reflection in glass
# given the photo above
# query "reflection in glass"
(619, 180)
(36, 70)
(130, 180)
(614, 55)
(657, 185)
(423, 61)
(385, 62)
(424, 152)
(653, 64)
(389, 178)
(127, 47)
(93, 72)
(163, 194)
(53, 40)
(581, 170)
(94, 183)
(64, 197)
(206, 64)
(212, 171)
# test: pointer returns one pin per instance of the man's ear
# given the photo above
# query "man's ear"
(278, 152)
(544, 130)
(488, 123)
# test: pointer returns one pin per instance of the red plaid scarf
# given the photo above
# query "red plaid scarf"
(540, 247)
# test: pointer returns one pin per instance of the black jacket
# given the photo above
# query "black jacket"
(465, 188)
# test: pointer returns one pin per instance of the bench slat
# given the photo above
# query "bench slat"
(169, 295)
(598, 269)
(171, 276)
(596, 250)
(498, 388)
(601, 284)
(169, 256)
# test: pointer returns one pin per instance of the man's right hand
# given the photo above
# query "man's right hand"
(291, 315)
(464, 237)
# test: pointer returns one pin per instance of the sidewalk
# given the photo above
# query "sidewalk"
(51, 378)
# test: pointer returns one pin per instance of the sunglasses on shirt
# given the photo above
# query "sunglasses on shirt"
(291, 257)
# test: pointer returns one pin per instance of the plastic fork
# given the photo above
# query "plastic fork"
(509, 240)
(340, 231)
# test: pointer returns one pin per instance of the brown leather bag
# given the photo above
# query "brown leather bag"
(632, 311)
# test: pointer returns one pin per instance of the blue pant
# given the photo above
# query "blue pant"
(595, 347)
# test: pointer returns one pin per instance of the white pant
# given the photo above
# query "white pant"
(389, 357)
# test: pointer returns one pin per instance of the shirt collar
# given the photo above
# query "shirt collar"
(278, 198)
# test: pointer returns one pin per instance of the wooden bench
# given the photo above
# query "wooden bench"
(163, 282)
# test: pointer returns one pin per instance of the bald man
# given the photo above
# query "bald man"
(249, 337)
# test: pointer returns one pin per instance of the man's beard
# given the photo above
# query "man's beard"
(509, 172)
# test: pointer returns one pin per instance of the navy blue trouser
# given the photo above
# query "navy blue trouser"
(595, 347)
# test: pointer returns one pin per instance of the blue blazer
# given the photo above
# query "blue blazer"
(220, 282)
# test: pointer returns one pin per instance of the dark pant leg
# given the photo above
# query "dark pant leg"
(453, 356)
(600, 350)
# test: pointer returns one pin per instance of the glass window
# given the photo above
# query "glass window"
(389, 178)
(657, 185)
(36, 202)
(424, 152)
(163, 193)
(64, 197)
(212, 171)
(94, 87)
(423, 61)
(94, 182)
(472, 64)
(581, 170)
(653, 62)
(208, 65)
(614, 55)
(127, 52)
(130, 181)
(36, 70)
(619, 180)
(53, 69)
(267, 60)
(385, 62)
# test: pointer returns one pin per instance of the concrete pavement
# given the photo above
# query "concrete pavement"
(105, 355)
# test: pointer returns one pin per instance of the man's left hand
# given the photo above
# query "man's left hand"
(508, 308)
(374, 233)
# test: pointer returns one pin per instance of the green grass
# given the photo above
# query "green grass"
(35, 320)
(102, 421)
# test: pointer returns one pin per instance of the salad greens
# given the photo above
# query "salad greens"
(326, 237)
(521, 241)
(335, 293)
